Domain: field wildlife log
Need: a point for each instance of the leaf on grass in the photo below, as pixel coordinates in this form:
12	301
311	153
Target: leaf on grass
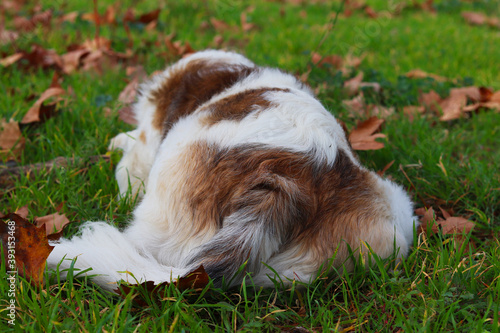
31	247
37	113
352	85
196	279
449	225
453	105
71	60
23	211
11	140
363	137
356	106
54	223
475	18
245	26
149	17
430	101
420	74
7	36
219	25
9	60
334	60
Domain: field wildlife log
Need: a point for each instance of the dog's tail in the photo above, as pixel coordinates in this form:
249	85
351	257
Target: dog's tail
265	217
111	257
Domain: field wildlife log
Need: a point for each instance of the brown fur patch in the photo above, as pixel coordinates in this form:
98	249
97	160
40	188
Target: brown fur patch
318	207
238	106
142	137
190	87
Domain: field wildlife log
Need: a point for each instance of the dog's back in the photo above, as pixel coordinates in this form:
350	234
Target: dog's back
242	165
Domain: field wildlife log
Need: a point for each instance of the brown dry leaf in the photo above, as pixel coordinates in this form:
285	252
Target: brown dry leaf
420	74
381	111
430	101
428	217
53	222
23	211
69	17
370	12
7	61
196	279
453	106
35	113
363	137
71	60
7	36
219	25
11	140
454	225
335	60
245	26
356	106
149	17
474	18
352	85
31	247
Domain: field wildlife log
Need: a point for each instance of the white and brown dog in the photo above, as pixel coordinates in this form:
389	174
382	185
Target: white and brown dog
238	164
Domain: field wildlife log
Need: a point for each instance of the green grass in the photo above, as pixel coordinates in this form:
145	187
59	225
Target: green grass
440	286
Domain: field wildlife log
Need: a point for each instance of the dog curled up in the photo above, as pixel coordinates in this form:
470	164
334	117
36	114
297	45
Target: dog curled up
238	164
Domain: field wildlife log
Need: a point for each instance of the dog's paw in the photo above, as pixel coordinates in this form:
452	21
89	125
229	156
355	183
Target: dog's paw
123	141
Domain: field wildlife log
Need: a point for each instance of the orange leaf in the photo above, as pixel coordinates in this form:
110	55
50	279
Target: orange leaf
11	140
474	18
34	114
363	137
26	247
7	61
53	222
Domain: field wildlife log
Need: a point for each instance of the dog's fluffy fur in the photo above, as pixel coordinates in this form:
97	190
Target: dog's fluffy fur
238	164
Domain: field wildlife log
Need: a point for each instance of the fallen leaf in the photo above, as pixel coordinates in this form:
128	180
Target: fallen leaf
453	106
352	85
149	17
335	60
381	111
7	61
196	279
29	244
420	74
11	140
7	36
430	101
219	25
71	60
474	18
23	211
245	26
35	113
356	106
53	222
363	137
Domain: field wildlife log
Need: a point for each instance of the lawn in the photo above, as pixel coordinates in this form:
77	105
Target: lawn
446	283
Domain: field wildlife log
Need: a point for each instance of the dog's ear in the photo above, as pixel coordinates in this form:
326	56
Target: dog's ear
123	141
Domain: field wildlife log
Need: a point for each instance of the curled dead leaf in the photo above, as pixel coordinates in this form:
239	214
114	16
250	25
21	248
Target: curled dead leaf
11	140
35	113
53	222
363	136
